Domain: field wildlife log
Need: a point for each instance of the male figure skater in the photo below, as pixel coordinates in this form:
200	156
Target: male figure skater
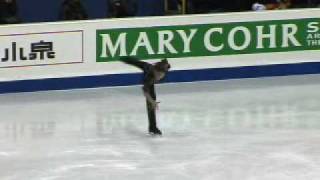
152	73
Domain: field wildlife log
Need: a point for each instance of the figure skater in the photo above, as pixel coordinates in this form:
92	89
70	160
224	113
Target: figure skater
152	74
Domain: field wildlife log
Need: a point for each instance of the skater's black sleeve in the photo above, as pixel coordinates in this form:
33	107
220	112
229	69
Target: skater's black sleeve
148	88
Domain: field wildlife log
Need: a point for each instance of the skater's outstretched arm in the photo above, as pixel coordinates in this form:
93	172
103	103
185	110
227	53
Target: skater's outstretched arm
150	94
134	62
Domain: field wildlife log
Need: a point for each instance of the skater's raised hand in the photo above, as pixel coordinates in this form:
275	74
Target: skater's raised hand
155	105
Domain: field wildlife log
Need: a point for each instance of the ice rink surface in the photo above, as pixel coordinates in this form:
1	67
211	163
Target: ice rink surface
254	129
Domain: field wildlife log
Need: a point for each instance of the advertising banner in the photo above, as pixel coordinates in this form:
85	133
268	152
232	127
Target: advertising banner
36	49
209	39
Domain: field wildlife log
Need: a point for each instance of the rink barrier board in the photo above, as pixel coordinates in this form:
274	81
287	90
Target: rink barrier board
78	61
172	77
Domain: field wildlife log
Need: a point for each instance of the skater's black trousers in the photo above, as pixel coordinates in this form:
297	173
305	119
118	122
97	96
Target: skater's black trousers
151	110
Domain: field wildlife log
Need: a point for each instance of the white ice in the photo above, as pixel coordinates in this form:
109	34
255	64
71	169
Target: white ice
254	129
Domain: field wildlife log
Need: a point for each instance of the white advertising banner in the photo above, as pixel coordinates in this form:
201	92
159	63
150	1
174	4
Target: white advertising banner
38	49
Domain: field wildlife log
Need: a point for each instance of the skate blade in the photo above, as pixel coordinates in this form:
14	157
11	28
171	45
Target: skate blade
154	134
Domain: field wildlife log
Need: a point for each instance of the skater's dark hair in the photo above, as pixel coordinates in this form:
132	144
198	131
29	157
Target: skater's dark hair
163	65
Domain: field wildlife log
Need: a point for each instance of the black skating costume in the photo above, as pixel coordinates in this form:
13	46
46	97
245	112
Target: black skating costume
153	73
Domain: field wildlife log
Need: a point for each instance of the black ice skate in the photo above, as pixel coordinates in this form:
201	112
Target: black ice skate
155	131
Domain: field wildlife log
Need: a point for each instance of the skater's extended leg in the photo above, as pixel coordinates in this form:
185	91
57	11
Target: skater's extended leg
135	62
152	119
152	113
